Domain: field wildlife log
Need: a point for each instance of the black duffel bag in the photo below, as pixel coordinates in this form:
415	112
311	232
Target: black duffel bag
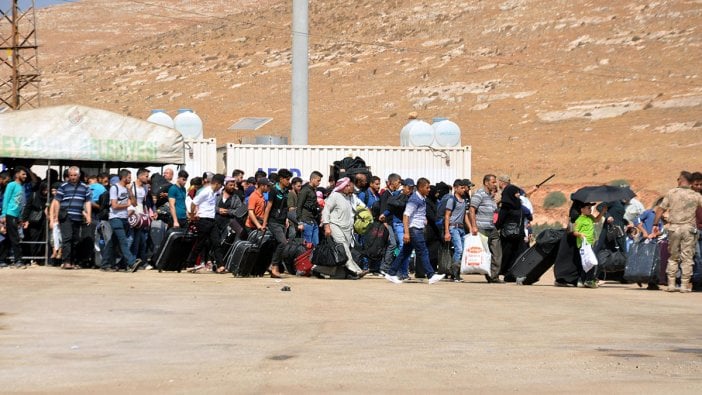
611	261
329	253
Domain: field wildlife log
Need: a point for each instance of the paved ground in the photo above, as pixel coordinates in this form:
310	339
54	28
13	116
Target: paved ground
85	332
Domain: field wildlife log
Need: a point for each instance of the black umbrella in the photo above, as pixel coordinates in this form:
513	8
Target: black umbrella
602	193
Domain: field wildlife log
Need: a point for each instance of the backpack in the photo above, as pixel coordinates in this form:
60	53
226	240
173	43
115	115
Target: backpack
362	220
103	213
375	241
441	209
342	167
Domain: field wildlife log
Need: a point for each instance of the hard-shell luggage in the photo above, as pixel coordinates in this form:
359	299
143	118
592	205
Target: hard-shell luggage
174	251
643	262
663	255
663	267
303	264
292	250
241	258
266	248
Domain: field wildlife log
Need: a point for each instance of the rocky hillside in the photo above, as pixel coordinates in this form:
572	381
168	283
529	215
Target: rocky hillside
590	90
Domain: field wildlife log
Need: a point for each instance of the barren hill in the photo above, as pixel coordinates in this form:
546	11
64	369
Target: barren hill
591	90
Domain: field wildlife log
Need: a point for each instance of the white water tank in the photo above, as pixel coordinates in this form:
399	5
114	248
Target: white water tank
446	133
419	133
160	117
188	124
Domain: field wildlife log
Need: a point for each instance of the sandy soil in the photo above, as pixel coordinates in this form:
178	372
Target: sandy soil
87	331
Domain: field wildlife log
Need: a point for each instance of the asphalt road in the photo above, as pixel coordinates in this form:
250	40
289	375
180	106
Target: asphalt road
85	331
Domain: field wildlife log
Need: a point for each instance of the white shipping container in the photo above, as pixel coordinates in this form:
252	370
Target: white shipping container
200	156
445	164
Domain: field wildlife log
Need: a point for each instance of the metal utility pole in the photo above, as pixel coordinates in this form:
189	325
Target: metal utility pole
300	73
19	68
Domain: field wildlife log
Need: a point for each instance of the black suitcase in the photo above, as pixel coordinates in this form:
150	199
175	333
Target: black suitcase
536	260
174	251
643	262
530	266
241	258
266	246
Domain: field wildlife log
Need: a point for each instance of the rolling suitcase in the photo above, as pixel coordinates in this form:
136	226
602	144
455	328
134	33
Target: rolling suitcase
241	258
174	251
266	246
530	266
536	260
663	259
643	262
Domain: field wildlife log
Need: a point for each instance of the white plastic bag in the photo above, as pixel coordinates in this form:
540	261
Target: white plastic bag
476	255
587	256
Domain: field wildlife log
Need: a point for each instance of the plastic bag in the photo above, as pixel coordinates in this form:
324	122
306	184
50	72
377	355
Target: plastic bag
587	256
476	255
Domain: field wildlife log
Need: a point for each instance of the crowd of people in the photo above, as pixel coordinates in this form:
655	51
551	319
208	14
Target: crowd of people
120	221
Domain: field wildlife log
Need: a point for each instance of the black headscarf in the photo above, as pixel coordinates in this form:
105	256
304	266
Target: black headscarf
510	197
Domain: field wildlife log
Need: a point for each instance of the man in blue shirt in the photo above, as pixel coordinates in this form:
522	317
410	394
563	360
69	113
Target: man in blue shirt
414	220
12	205
176	200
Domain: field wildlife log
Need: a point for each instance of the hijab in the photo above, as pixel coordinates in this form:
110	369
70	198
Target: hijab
510	197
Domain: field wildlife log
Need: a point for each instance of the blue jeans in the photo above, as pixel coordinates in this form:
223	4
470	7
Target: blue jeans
457	235
121	233
138	247
419	245
310	232
399	230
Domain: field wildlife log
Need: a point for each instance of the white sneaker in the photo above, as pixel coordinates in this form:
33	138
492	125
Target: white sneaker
393	279
436	278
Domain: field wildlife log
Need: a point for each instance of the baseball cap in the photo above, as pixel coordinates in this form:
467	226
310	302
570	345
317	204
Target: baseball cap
408	182
264	181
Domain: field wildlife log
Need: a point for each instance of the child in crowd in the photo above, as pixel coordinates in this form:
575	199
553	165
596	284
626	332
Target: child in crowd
585	229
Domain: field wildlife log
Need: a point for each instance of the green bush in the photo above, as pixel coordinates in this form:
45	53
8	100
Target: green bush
555	199
620	182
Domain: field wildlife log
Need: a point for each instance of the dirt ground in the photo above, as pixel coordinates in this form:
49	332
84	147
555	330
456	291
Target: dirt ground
86	331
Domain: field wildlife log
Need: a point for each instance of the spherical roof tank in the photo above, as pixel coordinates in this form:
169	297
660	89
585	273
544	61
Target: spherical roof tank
188	124
420	134
446	133
160	117
404	133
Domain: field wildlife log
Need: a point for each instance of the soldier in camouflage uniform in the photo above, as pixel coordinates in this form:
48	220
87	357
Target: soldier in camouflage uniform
681	203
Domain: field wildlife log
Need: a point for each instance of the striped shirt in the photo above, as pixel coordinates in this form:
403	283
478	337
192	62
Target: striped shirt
72	197
485	208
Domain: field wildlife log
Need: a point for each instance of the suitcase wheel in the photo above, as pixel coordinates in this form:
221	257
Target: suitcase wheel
160	271
520	280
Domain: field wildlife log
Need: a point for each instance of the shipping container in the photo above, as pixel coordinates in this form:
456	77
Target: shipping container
200	156
445	164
